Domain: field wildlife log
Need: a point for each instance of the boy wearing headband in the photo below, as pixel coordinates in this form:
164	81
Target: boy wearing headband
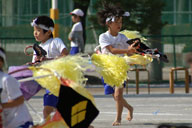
43	28
15	113
114	42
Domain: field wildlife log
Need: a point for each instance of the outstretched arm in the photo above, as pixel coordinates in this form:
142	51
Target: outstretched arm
130	50
13	103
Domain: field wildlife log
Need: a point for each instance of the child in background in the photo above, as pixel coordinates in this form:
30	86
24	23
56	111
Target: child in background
43	28
114	42
76	34
15	112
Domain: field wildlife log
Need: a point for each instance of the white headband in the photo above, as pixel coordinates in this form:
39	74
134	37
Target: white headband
112	18
41	26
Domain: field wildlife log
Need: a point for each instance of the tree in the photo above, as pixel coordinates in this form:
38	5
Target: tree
145	17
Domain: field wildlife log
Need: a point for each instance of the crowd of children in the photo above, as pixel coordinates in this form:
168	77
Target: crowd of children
15	113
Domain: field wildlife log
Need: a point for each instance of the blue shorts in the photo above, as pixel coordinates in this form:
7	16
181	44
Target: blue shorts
50	100
109	89
27	124
74	50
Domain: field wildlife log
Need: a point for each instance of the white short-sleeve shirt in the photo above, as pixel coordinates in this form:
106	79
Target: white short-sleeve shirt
106	39
15	116
53	47
77	27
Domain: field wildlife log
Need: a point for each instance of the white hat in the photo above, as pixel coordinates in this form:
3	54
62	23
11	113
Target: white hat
77	12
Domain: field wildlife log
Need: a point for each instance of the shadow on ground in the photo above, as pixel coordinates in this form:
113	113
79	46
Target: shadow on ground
186	125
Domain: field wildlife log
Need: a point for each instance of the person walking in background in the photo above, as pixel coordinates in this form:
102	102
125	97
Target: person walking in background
43	28
76	34
15	113
113	42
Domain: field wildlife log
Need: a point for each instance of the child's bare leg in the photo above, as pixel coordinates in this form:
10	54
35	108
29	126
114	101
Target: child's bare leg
130	110
119	105
47	110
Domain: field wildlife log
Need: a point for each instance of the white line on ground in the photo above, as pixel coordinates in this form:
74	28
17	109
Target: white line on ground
146	114
142	114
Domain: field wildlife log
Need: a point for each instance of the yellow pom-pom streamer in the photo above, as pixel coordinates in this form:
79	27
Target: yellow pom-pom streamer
138	59
82	91
133	34
113	68
69	67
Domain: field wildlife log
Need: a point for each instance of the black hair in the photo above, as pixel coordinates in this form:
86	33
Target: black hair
2	50
45	20
109	10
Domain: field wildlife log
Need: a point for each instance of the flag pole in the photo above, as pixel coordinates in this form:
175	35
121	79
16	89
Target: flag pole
54	14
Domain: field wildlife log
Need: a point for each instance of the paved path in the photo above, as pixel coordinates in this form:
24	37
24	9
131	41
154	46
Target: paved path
149	110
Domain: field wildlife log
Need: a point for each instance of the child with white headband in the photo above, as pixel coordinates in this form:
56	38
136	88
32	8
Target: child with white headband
43	28
15	113
115	43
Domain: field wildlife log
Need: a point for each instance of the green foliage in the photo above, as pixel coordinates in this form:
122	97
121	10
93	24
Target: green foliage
145	14
82	3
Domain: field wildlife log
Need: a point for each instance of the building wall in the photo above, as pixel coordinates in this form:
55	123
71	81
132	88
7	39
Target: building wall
177	11
22	11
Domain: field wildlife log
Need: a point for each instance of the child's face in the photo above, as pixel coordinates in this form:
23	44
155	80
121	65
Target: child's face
39	35
116	25
75	18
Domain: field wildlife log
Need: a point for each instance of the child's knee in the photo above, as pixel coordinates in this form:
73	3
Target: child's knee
118	97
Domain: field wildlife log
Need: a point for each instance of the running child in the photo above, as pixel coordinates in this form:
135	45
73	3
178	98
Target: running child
114	42
43	28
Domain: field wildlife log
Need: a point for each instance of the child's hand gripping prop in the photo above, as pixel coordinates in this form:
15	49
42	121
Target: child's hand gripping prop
141	47
39	52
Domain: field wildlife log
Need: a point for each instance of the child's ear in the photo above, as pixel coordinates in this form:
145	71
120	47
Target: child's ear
49	32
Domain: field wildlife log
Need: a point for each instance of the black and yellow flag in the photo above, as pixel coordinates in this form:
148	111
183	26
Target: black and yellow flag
76	106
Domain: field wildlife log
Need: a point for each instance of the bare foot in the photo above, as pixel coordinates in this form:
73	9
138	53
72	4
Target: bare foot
130	114
116	123
90	126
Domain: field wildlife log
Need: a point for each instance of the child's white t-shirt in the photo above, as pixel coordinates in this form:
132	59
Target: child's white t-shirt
77	30
53	47
118	41
15	116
